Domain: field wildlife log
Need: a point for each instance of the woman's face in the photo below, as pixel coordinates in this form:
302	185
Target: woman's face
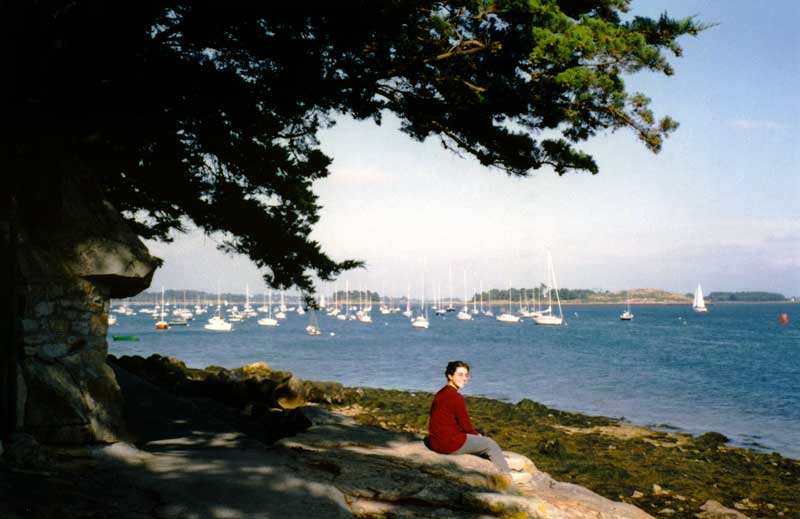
460	378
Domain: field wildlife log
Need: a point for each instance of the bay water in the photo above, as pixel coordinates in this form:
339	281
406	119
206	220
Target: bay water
734	370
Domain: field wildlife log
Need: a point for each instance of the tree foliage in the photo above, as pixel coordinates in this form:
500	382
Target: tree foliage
743	297
181	112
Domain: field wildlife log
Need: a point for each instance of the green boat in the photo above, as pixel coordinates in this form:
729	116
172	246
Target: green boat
125	337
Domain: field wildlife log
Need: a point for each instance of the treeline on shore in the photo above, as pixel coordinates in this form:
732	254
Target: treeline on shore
745	297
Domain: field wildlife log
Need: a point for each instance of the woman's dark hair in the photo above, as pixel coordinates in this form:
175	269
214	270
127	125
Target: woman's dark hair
453	365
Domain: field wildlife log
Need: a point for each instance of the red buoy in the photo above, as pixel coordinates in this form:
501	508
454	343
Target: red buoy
784	319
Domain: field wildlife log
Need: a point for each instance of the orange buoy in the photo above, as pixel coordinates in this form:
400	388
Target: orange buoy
784	319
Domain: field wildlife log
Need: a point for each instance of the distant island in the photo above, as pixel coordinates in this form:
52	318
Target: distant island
746	297
640	296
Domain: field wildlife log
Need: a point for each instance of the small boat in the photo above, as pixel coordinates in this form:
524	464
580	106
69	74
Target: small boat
699	304
219	326
508	317
313	325
178	322
161	324
547	317
218	323
627	315
268	320
464	314
125	337
421	321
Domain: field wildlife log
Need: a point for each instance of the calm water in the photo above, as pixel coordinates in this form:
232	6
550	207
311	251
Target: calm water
734	370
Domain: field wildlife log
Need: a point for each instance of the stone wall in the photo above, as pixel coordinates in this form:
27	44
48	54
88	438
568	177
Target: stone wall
73	255
66	391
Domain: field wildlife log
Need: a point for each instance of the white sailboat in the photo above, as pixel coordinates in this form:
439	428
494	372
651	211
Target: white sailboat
218	323
450	307
346	316
627	315
408	313
547	317
421	321
313	325
334	311
281	314
508	317
248	310
268	320
464	314
699	304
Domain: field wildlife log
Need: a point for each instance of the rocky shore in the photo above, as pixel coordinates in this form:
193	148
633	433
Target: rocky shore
258	442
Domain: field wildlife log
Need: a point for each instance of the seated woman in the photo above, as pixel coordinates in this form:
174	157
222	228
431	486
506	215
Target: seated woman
450	428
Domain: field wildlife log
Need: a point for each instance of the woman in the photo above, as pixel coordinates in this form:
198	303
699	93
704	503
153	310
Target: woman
450	429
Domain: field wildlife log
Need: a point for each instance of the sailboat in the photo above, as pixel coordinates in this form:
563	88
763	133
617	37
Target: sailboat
547	317
281	309
421	321
699	304
508	317
248	310
268	320
439	308
313	325
363	315
627	315
450	307
464	314
408	313
218	323
161	324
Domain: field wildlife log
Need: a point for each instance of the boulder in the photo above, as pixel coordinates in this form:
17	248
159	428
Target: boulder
714	510
74	252
394	474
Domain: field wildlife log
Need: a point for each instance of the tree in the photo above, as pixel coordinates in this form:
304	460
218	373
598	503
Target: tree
183	112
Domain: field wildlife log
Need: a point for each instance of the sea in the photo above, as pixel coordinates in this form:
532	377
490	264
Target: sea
734	370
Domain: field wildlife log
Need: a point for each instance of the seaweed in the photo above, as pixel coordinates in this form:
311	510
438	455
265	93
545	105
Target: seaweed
667	474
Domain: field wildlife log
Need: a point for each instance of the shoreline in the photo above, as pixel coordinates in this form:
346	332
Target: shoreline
667	474
585	417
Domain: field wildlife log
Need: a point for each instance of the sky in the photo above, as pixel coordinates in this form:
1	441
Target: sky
718	206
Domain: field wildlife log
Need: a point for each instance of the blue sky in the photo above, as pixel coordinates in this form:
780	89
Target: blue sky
720	205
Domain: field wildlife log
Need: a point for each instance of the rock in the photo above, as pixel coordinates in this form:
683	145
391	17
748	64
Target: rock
24	452
714	510
745	504
319	416
659	491
520	478
519	462
74	251
710	440
324	392
637	495
393	474
291	393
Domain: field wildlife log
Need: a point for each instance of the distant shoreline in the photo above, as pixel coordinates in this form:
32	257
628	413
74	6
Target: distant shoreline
458	304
